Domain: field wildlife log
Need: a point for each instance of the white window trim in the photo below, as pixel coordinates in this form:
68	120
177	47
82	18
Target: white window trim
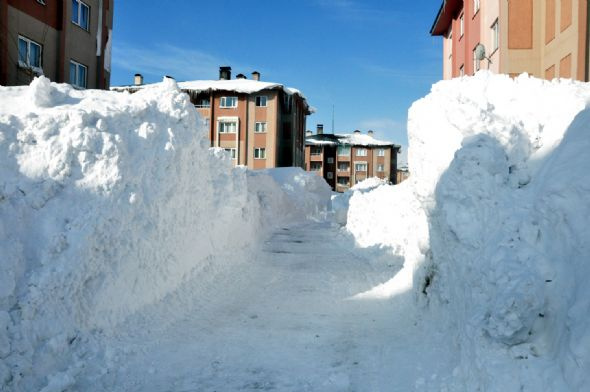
462	25
364	150
256	127
380	167
37	70
361	163
330	175
260	149
80	3
77	64
495	36
330	160
315	163
381	152
265	101
315	154
476	7
232	152
224	99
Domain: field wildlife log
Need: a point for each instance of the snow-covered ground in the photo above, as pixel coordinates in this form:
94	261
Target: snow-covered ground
132	258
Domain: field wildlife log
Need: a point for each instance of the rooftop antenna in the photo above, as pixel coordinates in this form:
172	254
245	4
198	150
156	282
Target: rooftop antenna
332	119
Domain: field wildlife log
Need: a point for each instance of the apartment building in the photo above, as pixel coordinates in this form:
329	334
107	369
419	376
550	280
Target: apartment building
546	39
346	159
260	124
68	41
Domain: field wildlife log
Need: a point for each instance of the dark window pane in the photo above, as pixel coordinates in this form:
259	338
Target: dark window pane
84	16
72	73
35	55
75	11
22	50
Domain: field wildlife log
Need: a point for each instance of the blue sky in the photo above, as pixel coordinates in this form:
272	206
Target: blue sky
370	59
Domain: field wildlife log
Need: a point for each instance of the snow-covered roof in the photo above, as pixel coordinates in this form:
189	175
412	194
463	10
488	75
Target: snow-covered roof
246	86
359	139
356	139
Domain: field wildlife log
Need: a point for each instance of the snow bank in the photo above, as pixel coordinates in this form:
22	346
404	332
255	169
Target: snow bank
493	227
108	201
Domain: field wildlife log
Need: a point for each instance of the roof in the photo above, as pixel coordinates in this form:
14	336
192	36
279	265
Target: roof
447	11
245	86
353	139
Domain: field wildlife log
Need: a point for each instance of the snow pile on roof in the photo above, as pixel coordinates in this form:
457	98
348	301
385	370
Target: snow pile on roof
360	139
493	225
245	86
108	203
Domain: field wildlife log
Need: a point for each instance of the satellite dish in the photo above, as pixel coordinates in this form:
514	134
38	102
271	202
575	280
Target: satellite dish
480	52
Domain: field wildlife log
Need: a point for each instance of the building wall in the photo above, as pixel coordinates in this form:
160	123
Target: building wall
490	13
50	26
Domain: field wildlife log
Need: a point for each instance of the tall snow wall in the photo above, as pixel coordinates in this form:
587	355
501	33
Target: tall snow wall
109	202
493	225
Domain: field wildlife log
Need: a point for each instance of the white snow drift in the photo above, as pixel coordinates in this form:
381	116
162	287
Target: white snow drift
108	202
493	225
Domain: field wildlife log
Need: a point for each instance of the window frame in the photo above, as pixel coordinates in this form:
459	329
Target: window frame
27	63
363	163
223	102
259	98
221	125
476	7
495	36
260	151
78	66
346	164
461	25
77	23
462	70
330	175
344	147
315	166
232	152
316	148
345	182
330	160
263	125
476	62
381	152
363	150
380	167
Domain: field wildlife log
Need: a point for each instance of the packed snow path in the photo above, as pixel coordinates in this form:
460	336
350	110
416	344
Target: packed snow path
284	320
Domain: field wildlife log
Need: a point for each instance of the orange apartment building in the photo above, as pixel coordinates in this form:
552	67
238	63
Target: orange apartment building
260	124
546	39
346	159
68	41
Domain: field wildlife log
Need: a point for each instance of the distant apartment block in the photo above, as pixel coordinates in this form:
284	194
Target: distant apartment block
260	124
344	160
68	41
546	39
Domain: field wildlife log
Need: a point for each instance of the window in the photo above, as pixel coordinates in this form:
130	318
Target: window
80	14
343	181
461	26
260	127
475	7
232	152
330	160
229	102
316	166
495	36
450	43
344	150
381	152
461	70
380	167
360	166
260	153
78	74
261	101
203	103
476	62
343	166
316	150
361	152
29	53
228	127
330	175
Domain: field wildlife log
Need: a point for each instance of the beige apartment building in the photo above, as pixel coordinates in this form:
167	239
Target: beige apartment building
260	124
68	41
344	160
546	39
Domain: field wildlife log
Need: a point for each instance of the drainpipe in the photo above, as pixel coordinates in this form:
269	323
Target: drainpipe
61	62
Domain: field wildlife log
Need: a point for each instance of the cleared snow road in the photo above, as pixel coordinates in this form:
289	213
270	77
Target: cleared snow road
283	319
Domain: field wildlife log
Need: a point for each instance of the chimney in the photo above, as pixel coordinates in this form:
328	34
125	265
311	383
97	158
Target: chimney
224	73
370	132
357	132
138	79
256	75
169	77
308	133
320	129
241	76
